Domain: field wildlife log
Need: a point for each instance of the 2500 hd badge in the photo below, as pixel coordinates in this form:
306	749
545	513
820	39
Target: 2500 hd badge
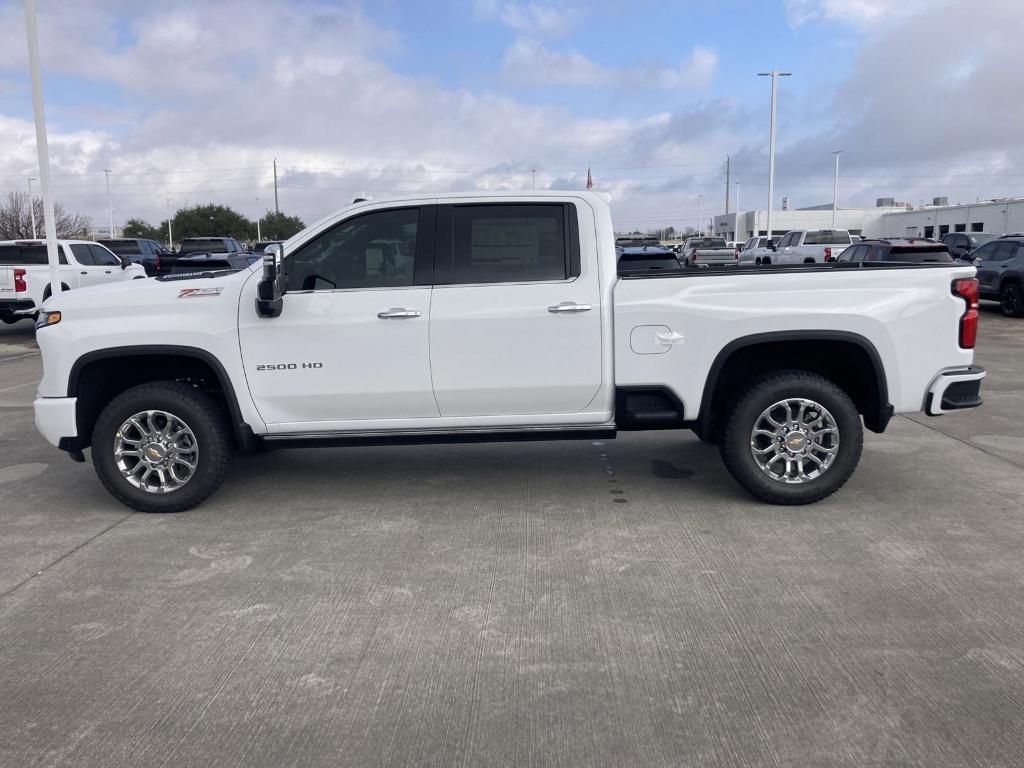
287	366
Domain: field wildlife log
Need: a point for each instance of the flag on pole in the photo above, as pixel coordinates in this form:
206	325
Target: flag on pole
590	179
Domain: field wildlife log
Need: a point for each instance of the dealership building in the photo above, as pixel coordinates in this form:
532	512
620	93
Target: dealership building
887	218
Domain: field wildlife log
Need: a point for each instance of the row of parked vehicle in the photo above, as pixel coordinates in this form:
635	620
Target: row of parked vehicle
998	258
25	272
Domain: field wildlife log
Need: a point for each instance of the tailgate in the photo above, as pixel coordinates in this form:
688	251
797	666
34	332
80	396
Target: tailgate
6	281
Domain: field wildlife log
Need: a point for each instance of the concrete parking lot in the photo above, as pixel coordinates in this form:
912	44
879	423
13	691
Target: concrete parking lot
523	604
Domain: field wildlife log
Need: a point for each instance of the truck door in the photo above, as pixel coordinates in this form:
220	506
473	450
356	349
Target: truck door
515	321
352	343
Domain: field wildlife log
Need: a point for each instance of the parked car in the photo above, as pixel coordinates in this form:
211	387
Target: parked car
1000	265
261	245
707	252
146	253
962	244
197	263
809	246
25	273
510	322
191	245
896	250
754	249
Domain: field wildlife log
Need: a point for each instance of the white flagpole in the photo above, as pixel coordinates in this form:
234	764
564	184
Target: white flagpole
41	145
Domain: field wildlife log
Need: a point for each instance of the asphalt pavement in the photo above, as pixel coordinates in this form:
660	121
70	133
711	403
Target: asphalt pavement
577	603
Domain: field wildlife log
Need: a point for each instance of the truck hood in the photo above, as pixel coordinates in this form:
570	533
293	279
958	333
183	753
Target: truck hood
116	299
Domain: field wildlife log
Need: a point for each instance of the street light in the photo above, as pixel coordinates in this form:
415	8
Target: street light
700	221
110	208
170	234
32	206
737	196
42	146
774	75
835	187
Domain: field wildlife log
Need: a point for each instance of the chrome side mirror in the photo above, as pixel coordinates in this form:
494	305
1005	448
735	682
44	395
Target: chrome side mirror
269	293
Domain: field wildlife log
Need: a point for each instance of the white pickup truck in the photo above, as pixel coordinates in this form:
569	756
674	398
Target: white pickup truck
25	273
809	246
496	316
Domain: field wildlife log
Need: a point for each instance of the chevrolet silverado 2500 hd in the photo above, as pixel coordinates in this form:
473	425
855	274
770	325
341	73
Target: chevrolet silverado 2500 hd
496	316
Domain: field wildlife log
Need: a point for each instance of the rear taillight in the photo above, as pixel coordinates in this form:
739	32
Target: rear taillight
158	262
967	289
693	256
828	254
19	281
736	254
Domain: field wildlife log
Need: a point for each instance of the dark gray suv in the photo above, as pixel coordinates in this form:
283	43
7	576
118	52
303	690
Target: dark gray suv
961	244
1000	266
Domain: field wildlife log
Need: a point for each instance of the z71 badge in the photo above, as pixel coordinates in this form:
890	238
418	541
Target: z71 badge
192	293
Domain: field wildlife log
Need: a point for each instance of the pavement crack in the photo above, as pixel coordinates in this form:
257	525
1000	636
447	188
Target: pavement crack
968	443
63	557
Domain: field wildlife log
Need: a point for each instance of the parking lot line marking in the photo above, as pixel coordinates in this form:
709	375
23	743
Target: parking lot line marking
17	386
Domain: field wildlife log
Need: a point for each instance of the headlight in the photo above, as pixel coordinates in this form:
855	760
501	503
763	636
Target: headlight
47	318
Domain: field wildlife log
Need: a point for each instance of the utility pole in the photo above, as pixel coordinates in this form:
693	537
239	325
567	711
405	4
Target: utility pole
774	75
835	187
700	218
32	206
42	146
728	170
277	208
170	234
110	208
259	234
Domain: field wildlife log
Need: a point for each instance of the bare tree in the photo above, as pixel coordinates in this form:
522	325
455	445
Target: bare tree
16	219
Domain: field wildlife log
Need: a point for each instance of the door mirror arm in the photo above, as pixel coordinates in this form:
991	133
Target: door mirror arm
269	294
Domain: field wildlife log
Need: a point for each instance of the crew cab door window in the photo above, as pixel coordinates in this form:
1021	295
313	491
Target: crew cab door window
352	344
375	250
515	320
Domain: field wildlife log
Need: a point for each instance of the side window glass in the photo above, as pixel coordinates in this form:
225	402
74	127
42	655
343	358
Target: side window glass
852	253
1005	252
986	251
102	257
83	255
375	250
509	243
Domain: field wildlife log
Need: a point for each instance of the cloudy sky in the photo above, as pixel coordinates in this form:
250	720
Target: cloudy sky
193	99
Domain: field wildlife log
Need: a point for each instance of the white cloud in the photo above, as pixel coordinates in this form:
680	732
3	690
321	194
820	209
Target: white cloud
531	63
532	18
859	13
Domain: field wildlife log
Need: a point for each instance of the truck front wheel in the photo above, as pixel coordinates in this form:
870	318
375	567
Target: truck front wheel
793	437
161	447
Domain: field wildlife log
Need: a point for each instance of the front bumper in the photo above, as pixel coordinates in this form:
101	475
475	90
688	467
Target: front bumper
955	390
17	307
56	419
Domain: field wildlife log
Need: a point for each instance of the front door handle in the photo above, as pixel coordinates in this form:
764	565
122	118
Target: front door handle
398	313
569	306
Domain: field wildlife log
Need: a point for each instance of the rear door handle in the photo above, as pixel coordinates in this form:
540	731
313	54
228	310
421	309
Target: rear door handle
569	306
398	313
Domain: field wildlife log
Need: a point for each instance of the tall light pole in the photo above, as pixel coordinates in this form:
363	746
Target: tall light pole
259	235
32	206
42	146
774	75
737	197
835	187
700	218
170	234
533	183
110	208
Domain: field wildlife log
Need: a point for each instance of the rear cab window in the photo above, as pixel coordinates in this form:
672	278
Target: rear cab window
32	254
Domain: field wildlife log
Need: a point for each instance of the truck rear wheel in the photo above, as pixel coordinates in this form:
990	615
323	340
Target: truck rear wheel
793	437
161	447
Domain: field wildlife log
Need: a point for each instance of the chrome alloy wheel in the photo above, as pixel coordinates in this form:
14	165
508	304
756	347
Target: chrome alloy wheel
156	451
794	440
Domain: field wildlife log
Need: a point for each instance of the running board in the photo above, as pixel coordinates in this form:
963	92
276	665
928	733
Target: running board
436	436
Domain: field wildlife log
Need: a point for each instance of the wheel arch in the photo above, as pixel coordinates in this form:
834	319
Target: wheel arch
748	356
116	369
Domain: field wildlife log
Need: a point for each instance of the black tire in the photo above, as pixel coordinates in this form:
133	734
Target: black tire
9	319
47	293
766	261
198	410
1011	300
735	441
